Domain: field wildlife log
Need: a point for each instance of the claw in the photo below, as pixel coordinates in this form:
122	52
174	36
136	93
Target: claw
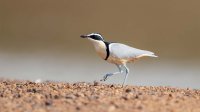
104	78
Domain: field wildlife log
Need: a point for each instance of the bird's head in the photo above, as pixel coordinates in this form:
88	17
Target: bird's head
93	37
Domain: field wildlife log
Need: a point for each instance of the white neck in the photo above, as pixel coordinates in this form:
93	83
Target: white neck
100	47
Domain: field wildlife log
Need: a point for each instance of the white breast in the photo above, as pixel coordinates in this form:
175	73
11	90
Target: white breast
100	48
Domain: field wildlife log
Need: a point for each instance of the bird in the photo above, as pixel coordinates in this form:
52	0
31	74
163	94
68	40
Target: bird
116	53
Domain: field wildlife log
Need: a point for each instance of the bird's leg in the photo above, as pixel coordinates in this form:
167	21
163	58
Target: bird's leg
127	72
110	74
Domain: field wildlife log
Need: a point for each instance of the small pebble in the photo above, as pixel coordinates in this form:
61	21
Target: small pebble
48	103
128	90
71	96
96	83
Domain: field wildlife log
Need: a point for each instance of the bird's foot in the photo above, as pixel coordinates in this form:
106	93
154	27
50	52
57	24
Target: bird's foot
105	77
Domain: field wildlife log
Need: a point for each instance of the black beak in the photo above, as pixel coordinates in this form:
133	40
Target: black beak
84	36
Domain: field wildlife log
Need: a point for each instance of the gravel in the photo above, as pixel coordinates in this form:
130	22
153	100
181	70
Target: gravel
26	96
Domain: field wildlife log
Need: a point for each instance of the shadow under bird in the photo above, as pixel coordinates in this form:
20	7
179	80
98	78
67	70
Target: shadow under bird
116	53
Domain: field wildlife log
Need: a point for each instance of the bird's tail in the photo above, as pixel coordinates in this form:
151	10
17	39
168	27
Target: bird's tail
152	55
147	53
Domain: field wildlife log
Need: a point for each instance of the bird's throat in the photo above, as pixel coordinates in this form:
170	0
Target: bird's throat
100	48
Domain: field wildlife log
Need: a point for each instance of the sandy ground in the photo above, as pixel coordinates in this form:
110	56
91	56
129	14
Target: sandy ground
26	96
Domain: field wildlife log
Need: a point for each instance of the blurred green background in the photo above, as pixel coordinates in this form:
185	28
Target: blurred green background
40	40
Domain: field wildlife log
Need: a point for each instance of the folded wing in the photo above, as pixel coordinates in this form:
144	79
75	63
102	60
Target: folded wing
124	51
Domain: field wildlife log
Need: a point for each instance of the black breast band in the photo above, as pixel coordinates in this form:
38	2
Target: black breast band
107	50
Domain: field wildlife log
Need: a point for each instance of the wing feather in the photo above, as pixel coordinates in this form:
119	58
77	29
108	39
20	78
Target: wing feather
124	51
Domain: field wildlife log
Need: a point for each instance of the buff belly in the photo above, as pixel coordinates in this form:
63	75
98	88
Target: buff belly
120	61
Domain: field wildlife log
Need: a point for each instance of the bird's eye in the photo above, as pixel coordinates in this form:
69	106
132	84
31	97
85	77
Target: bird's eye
96	37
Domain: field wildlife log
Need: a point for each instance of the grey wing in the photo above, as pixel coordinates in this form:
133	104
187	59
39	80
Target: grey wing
124	51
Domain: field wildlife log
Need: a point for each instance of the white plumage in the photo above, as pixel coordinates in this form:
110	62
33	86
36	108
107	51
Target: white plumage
124	51
116	53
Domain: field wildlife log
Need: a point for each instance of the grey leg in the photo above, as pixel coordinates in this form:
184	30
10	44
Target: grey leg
110	74
127	72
